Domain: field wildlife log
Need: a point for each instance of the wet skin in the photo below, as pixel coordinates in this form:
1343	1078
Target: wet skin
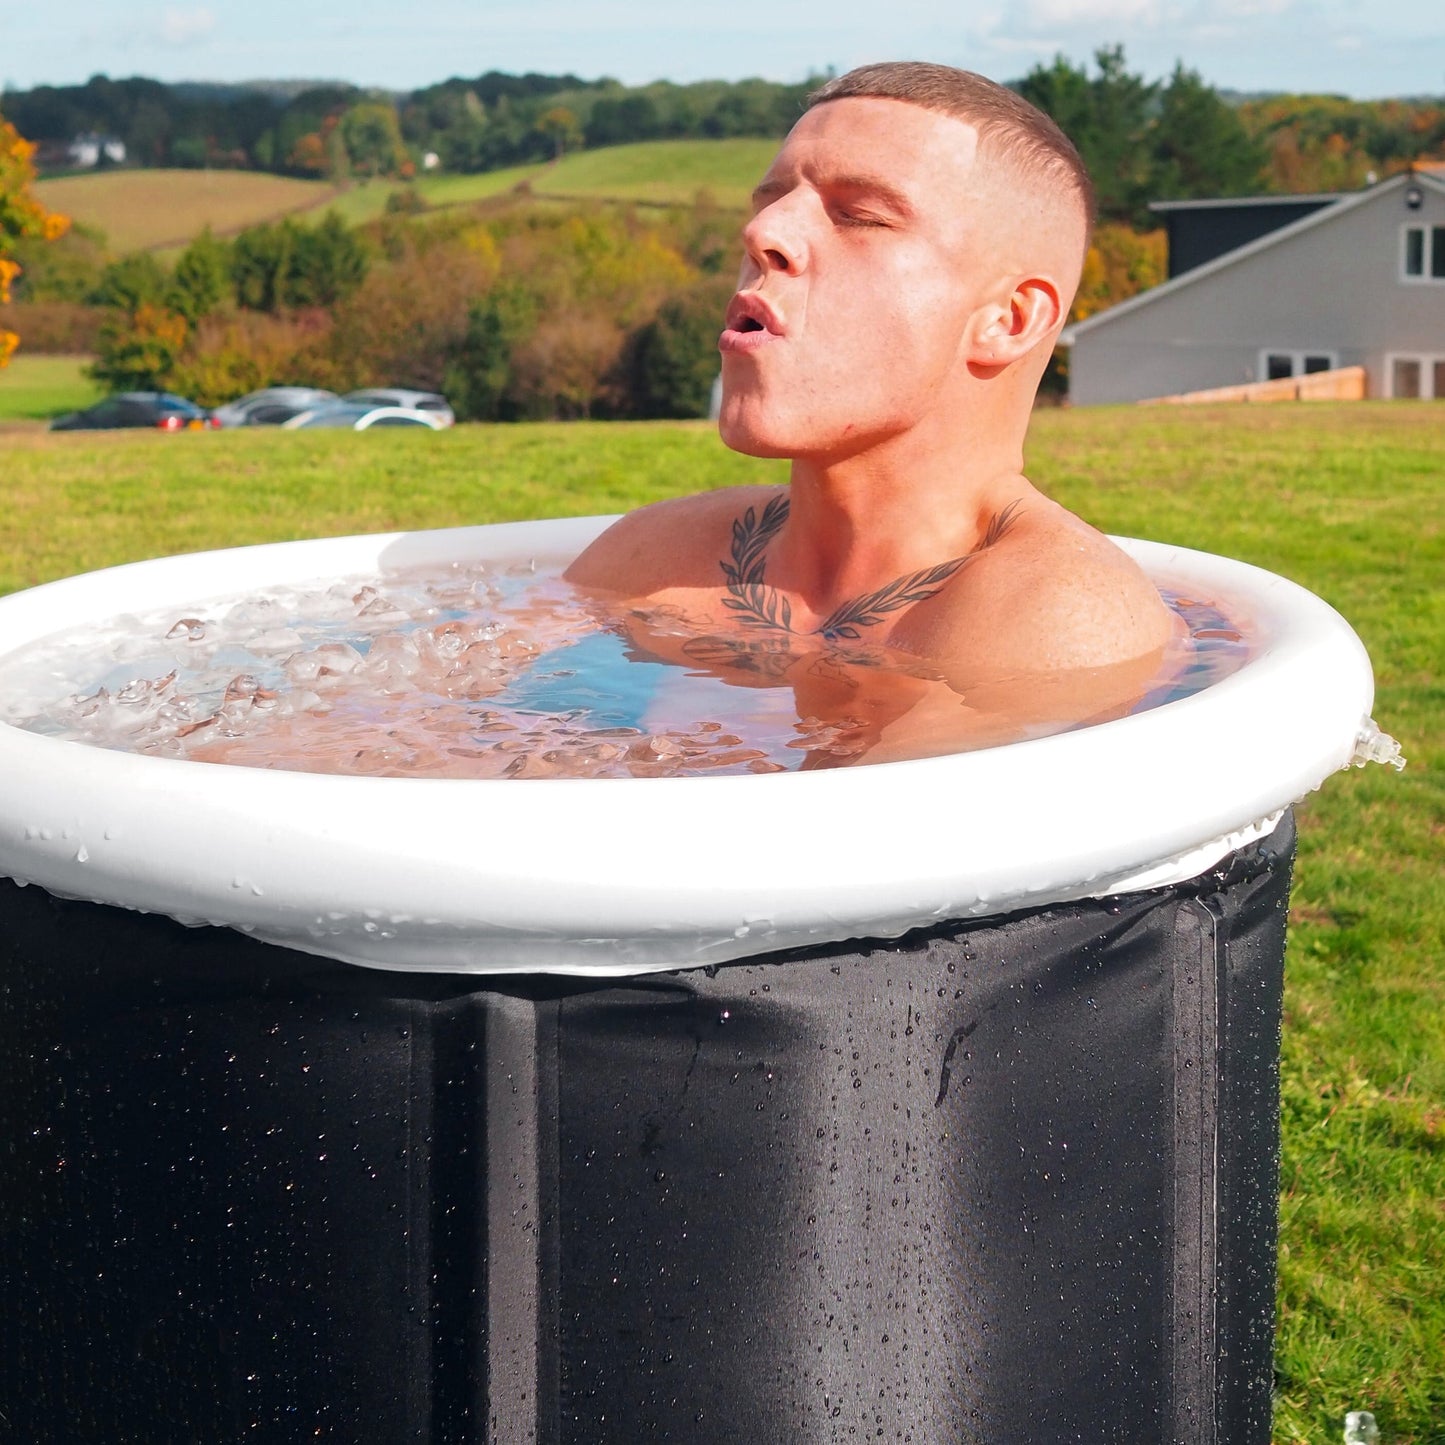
899	297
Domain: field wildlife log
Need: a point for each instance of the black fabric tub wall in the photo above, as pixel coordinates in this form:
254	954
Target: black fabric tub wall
1002	1180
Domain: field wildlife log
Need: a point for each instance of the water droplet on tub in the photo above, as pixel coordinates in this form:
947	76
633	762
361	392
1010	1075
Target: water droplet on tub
82	854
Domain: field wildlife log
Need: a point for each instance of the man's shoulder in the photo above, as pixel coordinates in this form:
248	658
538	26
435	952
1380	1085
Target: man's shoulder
677	542
1052	593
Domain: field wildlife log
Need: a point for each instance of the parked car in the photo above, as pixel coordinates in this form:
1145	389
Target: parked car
163	410
271	405
360	416
428	401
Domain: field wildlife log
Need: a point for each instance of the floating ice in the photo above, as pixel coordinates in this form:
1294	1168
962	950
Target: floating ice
455	672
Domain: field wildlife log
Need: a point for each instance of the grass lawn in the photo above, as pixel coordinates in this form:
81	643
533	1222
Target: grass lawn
1346	499
671	171
34	388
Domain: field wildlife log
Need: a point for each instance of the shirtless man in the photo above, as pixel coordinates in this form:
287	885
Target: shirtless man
910	261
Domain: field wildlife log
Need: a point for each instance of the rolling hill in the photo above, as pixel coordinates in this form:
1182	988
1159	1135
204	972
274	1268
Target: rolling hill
157	210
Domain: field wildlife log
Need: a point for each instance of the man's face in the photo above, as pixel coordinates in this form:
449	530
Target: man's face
866	254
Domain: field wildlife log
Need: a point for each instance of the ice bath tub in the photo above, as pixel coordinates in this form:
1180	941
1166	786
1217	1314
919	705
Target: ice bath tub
966	1129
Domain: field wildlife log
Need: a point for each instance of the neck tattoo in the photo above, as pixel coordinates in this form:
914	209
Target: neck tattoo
759	605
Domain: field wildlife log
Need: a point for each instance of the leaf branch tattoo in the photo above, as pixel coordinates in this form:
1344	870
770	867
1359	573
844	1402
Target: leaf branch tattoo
760	605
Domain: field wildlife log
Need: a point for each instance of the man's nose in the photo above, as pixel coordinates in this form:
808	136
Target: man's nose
775	238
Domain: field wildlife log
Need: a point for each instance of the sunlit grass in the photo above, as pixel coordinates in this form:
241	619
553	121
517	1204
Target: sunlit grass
33	388
1345	499
144	209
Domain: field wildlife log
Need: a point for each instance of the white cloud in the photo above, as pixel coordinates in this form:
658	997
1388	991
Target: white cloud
186	25
1094	12
1250	9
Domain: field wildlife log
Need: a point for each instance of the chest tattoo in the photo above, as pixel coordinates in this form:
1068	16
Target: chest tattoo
759	605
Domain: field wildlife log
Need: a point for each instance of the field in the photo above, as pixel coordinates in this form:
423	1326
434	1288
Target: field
1345	499
145	210
34	388
160	210
672	171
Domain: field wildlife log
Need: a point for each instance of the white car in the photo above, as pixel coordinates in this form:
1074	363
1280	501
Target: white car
359	416
271	405
427	401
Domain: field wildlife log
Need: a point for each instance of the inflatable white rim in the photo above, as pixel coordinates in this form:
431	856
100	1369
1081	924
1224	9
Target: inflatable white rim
485	876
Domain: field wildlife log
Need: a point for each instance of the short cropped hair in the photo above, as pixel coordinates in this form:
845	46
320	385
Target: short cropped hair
1007	125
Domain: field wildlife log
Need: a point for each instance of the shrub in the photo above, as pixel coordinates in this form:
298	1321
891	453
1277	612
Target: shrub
66	269
402	327
227	356
562	368
138	350
133	281
280	267
57	328
673	359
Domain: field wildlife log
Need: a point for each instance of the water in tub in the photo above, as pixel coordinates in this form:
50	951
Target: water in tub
461	671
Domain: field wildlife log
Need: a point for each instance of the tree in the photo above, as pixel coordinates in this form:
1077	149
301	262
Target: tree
480	370
21	216
202	278
559	126
133	281
138	351
372	138
674	359
329	263
1199	146
1108	119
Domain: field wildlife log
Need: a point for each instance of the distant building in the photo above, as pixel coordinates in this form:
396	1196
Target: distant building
1323	282
88	150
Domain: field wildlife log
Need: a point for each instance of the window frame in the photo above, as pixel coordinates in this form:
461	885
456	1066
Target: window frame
1297	357
1427	360
1430	234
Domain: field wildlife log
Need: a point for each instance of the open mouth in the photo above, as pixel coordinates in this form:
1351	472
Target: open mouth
750	323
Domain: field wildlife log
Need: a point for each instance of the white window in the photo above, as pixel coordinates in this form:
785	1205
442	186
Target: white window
1422	253
1281	365
1417	378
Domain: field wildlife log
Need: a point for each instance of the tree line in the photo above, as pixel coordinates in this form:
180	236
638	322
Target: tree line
1142	139
483	123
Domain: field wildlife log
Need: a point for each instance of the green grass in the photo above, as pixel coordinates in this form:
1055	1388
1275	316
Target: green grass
33	388
1345	499
451	190
668	171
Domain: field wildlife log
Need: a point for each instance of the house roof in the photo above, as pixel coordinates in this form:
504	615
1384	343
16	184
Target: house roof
1219	203
1283	236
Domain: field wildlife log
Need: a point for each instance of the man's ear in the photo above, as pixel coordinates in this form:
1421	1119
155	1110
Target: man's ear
1006	329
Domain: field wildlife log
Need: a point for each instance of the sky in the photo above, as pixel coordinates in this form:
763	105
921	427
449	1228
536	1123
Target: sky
1341	46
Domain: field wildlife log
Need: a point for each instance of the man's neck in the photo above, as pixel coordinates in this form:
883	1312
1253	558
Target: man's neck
860	521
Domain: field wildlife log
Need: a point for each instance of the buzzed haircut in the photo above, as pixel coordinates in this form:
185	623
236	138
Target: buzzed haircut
1007	125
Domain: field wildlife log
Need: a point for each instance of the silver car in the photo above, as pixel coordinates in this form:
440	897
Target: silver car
428	401
360	416
271	405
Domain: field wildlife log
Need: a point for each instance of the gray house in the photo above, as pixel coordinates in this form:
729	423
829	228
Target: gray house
1357	282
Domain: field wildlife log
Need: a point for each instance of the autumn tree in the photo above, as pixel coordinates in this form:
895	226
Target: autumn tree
138	350
21	216
561	129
